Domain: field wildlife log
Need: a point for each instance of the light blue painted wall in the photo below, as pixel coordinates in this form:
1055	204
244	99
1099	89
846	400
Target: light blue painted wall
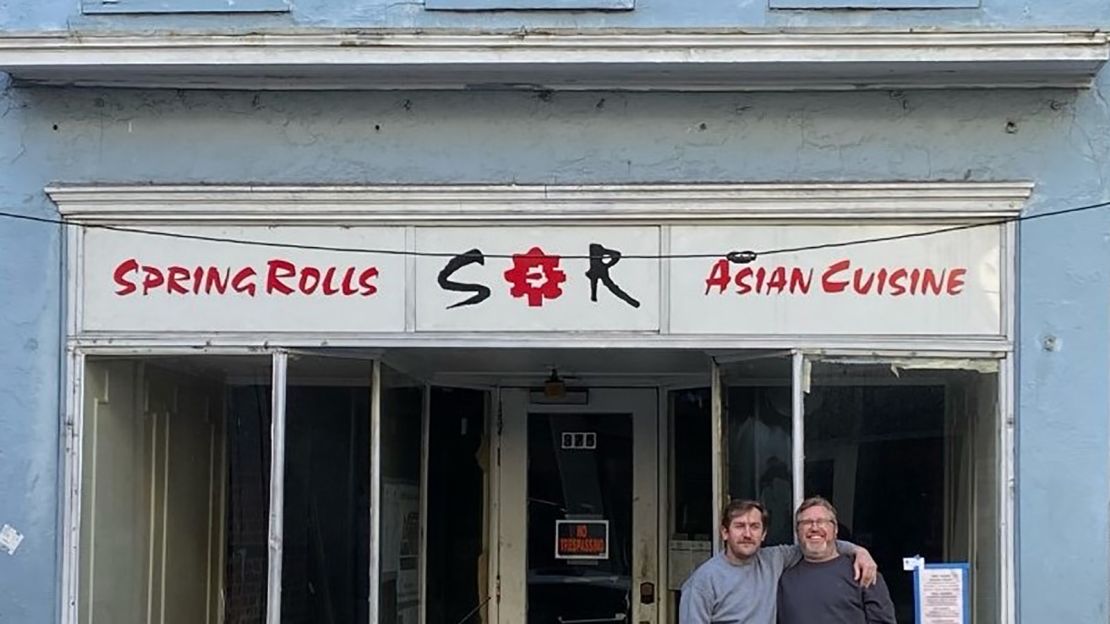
30	271
1061	142
62	15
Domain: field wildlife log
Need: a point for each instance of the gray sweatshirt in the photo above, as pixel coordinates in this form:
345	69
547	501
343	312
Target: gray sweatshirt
722	592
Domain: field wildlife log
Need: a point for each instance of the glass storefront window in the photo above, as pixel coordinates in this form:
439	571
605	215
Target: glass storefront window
402	443
325	568
175	479
457	547
691	487
582	481
176	453
692	472
908	452
757	410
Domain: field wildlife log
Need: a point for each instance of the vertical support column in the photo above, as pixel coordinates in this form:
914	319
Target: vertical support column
493	505
280	362
425	442
73	419
512	538
375	488
1007	416
716	420
1006	488
646	499
665	506
797	407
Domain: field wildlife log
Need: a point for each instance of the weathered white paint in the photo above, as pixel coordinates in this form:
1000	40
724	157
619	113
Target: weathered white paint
676	59
276	516
547	203
799	387
717	444
512	565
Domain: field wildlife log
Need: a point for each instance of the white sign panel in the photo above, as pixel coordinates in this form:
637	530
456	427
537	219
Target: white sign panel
942	592
938	284
137	282
492	278
538	279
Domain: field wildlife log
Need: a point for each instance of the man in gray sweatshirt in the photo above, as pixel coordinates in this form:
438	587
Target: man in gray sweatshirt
738	585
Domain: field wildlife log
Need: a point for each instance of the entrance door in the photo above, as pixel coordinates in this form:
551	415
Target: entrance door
577	519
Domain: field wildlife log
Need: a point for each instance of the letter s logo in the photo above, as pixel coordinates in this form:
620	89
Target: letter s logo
120	276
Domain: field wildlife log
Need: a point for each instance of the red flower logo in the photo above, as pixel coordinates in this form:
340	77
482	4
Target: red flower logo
535	275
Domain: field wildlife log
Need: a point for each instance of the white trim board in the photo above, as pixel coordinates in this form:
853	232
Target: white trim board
654	203
115	343
620	59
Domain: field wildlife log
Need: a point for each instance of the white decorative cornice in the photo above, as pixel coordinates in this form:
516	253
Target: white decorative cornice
732	60
655	203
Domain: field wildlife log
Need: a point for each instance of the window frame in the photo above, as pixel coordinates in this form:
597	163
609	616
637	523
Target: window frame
529	5
873	4
802	363
173	7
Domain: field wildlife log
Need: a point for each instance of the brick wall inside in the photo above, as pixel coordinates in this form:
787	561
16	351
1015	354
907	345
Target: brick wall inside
248	505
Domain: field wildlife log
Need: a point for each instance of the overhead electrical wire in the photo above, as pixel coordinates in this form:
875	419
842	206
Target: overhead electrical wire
736	256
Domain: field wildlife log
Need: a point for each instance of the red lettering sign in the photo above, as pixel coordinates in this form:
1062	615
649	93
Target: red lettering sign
281	278
839	277
581	539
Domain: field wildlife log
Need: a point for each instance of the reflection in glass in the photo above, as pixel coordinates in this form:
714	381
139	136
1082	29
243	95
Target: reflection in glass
458	469
692	488
909	458
759	453
325	551
691	517
573	475
249	456
402	404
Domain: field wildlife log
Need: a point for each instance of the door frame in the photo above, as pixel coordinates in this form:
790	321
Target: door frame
510	484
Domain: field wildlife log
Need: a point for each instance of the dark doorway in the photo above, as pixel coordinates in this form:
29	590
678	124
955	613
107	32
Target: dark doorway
457	468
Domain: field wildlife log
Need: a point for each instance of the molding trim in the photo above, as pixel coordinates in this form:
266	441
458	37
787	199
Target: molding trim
168	343
733	60
655	203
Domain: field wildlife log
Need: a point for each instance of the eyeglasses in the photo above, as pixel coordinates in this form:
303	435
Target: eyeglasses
803	524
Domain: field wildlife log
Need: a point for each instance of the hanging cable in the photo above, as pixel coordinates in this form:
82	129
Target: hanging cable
735	256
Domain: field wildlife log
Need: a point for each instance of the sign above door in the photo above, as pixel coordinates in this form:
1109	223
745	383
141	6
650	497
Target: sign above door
636	278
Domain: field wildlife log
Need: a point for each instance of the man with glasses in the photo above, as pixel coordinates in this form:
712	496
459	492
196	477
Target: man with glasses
820	588
737	586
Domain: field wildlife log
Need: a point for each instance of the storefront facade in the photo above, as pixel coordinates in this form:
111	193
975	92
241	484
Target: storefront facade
582	347
502	353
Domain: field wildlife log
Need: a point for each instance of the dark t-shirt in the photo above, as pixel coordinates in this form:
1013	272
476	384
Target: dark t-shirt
826	593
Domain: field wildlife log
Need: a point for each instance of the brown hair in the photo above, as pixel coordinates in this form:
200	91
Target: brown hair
816	501
737	507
